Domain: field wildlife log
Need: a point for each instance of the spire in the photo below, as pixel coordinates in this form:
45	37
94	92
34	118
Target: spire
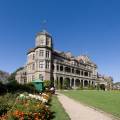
43	29
43	25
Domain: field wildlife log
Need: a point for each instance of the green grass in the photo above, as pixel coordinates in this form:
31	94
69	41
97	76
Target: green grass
104	100
56	107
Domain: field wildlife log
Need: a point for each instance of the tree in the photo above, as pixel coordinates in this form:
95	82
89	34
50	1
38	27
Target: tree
12	76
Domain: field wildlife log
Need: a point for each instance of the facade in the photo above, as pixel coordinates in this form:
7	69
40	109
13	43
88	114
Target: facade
21	76
116	86
59	67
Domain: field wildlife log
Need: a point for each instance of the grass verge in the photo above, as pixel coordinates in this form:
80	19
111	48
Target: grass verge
56	107
104	100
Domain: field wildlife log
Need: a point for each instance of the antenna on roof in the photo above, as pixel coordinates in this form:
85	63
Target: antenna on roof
43	25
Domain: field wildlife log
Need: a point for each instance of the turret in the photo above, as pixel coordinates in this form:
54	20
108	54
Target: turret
43	39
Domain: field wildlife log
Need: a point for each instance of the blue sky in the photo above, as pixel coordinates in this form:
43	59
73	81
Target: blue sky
89	27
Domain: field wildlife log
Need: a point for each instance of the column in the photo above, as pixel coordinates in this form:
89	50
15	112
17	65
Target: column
74	83
83	83
71	82
63	69
80	82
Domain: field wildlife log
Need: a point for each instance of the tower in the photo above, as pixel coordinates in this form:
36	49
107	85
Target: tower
43	55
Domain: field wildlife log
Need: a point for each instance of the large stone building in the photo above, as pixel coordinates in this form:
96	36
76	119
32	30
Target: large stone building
48	64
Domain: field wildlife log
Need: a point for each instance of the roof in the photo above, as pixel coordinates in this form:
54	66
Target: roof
43	32
37	80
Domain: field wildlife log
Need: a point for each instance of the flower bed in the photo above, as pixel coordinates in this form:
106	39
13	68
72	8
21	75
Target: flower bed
29	107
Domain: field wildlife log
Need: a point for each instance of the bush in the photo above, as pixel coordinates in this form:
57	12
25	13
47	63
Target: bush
4	107
47	83
66	84
14	87
6	102
28	108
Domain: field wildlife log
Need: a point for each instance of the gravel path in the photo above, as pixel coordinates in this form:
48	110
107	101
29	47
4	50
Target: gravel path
78	111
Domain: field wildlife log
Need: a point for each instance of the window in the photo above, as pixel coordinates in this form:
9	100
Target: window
86	73
47	42
37	64
41	64
33	67
40	76
77	72
47	64
42	42
36	53
47	54
82	73
52	66
33	77
61	68
41	53
72	70
33	56
57	67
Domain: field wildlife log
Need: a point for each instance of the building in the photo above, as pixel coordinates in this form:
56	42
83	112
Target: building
116	86
59	67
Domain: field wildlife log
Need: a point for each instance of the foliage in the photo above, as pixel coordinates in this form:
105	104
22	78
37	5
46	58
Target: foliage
66	84
6	102
91	88
47	83
13	87
2	88
12	76
28	108
59	85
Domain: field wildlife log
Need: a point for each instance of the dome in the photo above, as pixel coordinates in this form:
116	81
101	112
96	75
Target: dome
43	32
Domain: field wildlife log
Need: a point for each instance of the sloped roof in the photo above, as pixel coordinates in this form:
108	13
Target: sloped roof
37	81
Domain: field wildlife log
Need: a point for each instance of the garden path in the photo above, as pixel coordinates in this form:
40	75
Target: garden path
78	111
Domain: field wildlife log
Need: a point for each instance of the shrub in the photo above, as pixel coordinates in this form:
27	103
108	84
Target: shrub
66	84
6	102
47	83
27	108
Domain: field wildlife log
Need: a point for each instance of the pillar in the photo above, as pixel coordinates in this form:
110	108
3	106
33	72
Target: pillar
83	83
74	83
70	82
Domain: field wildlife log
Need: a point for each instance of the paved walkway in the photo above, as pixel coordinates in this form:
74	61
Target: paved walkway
78	111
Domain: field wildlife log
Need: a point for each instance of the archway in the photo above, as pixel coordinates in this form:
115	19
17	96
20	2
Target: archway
86	83
67	83
102	86
81	83
61	83
77	82
72	84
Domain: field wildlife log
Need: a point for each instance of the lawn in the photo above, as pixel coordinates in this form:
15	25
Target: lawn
104	100
56	107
